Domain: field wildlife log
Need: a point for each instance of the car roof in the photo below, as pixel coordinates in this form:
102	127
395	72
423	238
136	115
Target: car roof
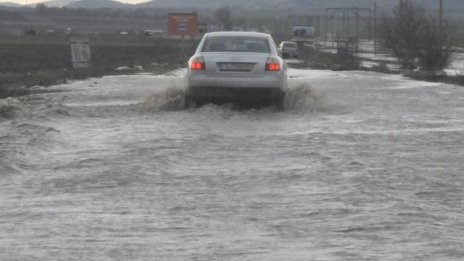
237	33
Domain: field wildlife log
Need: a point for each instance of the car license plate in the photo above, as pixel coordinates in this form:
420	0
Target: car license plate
236	67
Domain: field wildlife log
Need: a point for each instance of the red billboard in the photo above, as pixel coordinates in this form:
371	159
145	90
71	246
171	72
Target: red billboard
183	24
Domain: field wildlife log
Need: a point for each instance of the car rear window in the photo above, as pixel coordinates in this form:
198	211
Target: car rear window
236	44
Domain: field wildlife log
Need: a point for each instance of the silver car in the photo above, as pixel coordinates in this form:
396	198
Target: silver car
288	49
236	67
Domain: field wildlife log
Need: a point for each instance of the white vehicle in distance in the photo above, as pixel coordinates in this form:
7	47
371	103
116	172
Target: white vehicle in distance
288	49
239	67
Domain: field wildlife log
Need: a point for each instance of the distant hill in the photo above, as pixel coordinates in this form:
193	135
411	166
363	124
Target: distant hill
198	4
95	4
57	3
307	5
10	4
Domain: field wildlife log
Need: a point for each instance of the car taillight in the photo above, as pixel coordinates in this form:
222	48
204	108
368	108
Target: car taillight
197	64
272	65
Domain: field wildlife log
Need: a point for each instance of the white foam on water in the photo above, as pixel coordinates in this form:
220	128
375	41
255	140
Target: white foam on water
171	98
7	105
129	174
304	97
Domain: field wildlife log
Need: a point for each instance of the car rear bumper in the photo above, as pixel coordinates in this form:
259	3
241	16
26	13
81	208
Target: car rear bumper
235	93
290	53
199	95
267	81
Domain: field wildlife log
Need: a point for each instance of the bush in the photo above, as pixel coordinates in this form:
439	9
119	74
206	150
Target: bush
416	39
435	46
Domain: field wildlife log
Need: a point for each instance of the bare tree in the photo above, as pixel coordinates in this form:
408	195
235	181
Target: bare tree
416	39
402	32
435	45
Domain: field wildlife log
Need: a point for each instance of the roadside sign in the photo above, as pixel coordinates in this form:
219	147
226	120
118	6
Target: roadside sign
182	24
80	53
303	31
182	27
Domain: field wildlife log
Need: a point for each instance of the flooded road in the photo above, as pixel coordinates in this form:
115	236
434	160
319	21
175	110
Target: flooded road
360	166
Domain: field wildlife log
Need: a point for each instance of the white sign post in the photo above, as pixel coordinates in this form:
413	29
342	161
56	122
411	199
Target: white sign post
80	53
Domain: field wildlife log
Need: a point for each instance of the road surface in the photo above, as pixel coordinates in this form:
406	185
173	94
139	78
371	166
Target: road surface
360	166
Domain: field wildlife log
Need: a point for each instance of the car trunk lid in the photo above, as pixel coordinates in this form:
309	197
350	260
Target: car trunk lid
235	64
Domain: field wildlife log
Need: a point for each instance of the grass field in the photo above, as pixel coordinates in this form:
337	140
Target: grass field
46	60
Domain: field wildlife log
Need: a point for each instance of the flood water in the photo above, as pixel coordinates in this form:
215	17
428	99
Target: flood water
360	166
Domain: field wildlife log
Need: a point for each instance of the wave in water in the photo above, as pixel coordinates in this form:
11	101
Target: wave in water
299	98
304	97
8	105
170	99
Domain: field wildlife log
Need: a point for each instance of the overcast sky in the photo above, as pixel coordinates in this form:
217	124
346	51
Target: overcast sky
38	1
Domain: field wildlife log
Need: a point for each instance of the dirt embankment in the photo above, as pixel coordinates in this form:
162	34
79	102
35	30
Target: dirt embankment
28	61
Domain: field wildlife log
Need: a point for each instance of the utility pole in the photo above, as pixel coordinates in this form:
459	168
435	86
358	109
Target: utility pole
326	25
441	15
375	28
357	28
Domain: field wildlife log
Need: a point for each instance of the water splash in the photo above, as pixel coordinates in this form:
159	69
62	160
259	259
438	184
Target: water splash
304	97
170	99
299	98
8	105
